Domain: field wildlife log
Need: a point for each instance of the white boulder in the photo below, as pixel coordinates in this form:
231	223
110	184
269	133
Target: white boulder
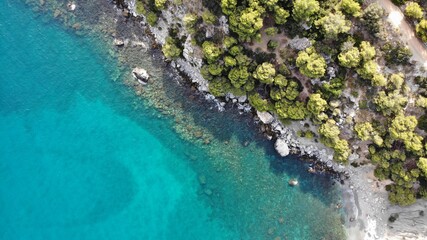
265	117
71	6
118	42
282	147
140	75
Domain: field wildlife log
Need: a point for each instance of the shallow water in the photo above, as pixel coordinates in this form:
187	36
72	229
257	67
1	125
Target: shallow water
83	158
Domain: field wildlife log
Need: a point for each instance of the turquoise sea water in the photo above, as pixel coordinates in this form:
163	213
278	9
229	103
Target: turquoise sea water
77	161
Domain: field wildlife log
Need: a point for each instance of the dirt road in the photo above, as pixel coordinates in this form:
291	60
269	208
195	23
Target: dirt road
396	17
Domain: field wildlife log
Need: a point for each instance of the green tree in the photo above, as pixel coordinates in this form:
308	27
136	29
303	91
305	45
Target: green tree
258	102
290	110
228	6
379	80
402	128
270	4
365	131
421	30
333	88
316	104
211	52
151	18
402	125
208	17
422	164
280	15
349	58
215	69
271	31
351	7
272	45
248	22
330	131
303	10
421	102
238	76
310	63
159	4
367	51
372	16
170	49
333	24
277	93
342	151
219	86
229	42
368	69
397	80
413	10
189	20
396	53
243	60
390	103
265	73
291	92
229	61
413	143
280	80
401	195
235	50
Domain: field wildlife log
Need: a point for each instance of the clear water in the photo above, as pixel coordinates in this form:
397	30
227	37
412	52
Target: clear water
77	161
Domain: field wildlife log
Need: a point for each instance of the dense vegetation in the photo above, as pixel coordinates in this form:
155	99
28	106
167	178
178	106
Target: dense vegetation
335	76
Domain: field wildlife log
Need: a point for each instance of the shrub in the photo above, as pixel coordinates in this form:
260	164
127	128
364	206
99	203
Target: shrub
170	49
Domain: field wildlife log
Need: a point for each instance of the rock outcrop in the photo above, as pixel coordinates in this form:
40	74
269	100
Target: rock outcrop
140	75
265	117
282	147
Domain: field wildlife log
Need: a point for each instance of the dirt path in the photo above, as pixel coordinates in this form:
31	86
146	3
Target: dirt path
396	17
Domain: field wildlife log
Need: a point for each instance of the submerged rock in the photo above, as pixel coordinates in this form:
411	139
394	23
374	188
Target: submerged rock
140	75
282	147
118	42
56	13
293	182
71	6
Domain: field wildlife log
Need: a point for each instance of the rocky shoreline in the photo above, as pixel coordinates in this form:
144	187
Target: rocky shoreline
365	198
367	208
189	68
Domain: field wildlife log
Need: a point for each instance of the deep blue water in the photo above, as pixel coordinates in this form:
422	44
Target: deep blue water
77	161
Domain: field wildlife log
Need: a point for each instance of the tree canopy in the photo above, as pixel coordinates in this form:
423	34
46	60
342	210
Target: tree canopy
421	30
265	73
211	52
351	7
333	24
310	63
316	104
349	58
303	10
248	22
413	10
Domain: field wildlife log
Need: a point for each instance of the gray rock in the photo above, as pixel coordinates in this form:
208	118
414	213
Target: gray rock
208	192
71	6
300	43
282	147
242	99
140	75
265	117
118	42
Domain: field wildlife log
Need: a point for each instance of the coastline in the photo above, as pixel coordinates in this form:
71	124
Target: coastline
367	202
367	208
